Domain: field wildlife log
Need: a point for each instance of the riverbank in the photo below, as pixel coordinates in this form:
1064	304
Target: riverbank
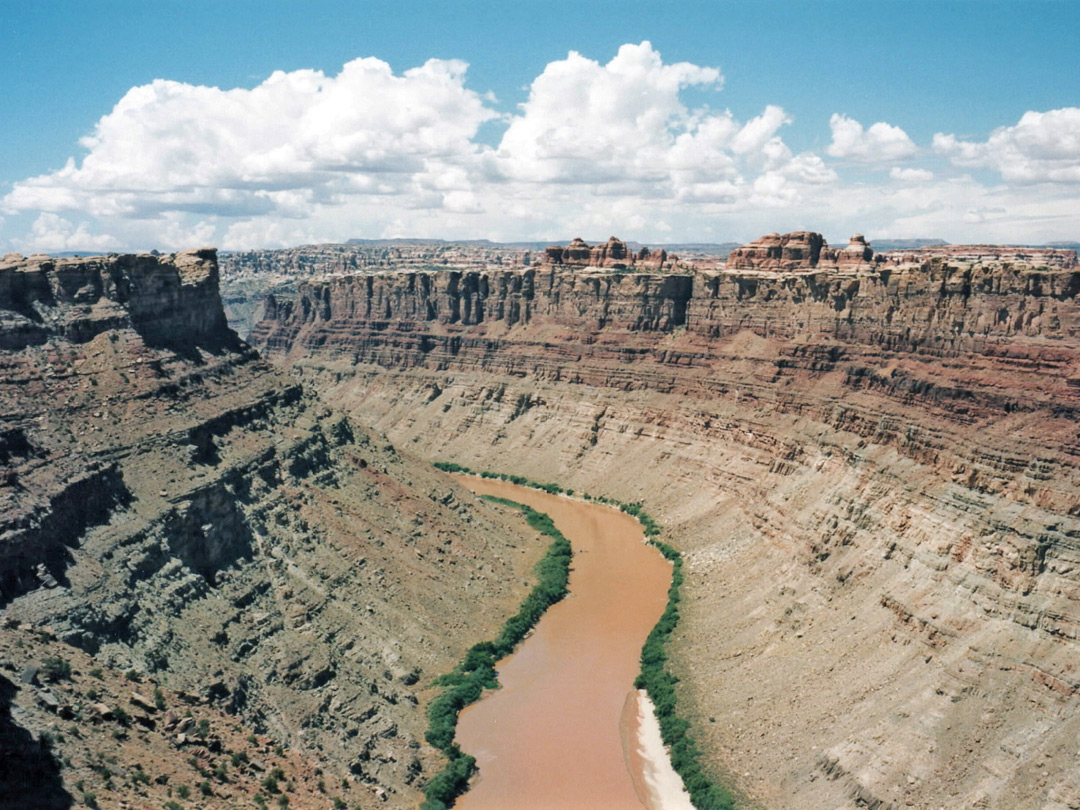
657	784
550	735
680	753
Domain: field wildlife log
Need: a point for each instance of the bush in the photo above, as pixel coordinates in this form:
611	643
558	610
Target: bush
56	669
654	677
476	672
183	791
451	467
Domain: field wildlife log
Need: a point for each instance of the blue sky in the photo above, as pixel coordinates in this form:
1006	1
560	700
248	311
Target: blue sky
769	126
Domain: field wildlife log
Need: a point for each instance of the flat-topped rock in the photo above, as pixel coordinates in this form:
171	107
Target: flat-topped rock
799	250
613	255
1060	258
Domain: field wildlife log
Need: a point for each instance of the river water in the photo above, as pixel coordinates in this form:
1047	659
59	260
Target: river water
567	730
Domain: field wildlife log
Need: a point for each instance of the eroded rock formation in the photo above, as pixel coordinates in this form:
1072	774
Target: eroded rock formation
872	468
613	255
801	250
171	504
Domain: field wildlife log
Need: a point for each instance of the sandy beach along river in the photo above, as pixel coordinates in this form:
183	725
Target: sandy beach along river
565	730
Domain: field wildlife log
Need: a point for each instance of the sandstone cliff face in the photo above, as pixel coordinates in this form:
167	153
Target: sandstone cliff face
495	299
172	504
872	470
801	250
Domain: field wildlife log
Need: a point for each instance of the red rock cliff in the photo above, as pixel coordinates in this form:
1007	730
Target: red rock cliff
873	470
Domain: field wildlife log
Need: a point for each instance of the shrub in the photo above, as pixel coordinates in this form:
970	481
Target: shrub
56	669
183	791
654	677
159	699
477	671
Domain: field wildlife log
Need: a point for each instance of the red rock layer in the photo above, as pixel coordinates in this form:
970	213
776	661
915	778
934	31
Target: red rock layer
170	503
801	250
875	473
612	255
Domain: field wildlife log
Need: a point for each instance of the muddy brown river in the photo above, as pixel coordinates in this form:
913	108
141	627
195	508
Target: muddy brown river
563	731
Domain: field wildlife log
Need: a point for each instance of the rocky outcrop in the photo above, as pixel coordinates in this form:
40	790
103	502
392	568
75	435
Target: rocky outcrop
801	250
171	504
872	470
1058	258
613	255
77	299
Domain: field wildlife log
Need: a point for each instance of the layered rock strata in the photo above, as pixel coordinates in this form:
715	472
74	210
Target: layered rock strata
801	250
171	504
872	471
613	255
1059	258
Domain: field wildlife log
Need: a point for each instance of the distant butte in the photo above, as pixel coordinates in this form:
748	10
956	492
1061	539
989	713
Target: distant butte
613	254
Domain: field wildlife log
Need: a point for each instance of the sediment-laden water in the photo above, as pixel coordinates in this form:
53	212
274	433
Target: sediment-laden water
565	729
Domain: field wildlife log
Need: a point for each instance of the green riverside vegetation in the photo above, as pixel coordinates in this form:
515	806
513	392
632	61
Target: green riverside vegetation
477	671
655	678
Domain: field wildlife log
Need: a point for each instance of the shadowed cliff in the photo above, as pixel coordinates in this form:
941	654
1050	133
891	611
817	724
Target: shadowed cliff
170	504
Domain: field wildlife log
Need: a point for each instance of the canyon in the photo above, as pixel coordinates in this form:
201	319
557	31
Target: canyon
869	462
174	508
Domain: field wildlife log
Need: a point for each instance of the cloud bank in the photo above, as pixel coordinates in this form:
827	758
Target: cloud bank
595	148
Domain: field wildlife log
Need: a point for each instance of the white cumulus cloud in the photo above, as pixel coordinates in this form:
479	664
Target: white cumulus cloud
595	148
296	140
1042	147
878	143
585	122
911	175
51	233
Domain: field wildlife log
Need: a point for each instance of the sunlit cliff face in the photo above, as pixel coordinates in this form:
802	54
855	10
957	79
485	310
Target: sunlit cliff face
868	467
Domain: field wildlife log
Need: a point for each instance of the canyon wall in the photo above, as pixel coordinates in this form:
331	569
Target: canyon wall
171	504
871	468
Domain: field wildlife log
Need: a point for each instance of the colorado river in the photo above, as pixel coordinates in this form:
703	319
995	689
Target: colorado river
567	730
